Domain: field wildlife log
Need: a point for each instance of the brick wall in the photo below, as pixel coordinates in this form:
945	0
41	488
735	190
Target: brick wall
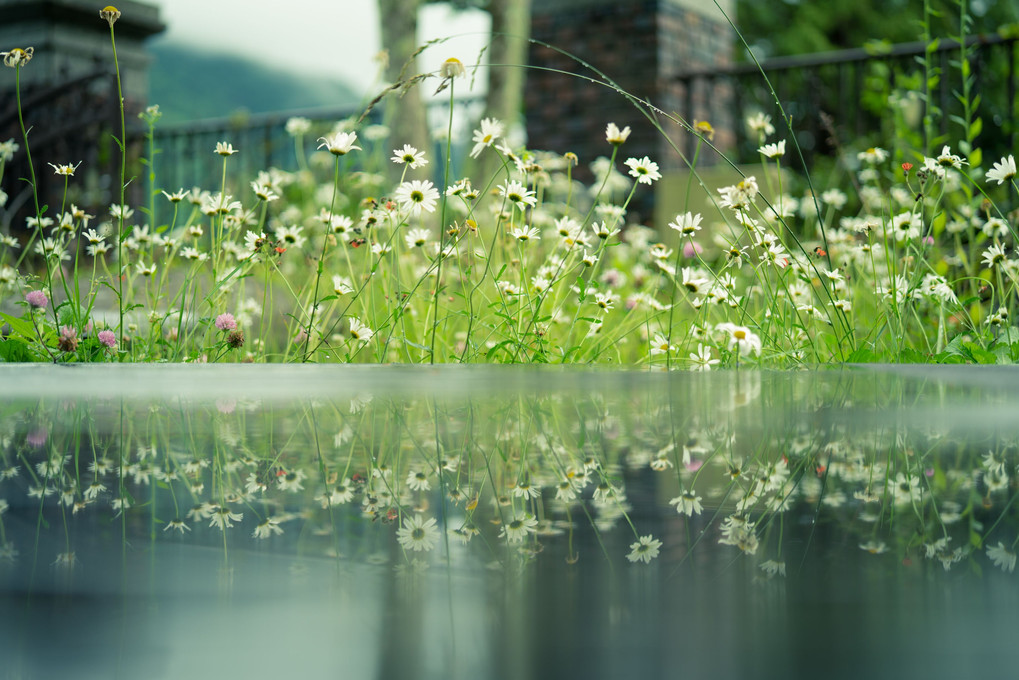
639	44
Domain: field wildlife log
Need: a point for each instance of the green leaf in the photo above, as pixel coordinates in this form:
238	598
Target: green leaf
13	350
416	345
1002	353
581	288
19	326
979	354
976	158
862	356
976	127
498	346
912	356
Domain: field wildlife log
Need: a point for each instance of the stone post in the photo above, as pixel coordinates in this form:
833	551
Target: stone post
70	40
69	99
639	44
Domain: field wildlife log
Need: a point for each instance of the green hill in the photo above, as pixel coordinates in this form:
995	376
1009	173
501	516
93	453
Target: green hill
191	85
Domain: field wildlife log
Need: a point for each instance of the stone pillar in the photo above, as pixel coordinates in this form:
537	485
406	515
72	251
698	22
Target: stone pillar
641	45
69	100
71	40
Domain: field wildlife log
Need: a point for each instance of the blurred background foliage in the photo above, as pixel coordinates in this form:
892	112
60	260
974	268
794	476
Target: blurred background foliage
775	28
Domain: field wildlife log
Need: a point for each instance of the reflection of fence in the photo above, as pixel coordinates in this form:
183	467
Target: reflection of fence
853	87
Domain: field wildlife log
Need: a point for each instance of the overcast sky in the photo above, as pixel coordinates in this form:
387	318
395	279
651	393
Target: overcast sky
332	38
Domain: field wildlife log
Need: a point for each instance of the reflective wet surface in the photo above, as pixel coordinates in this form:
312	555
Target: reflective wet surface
221	521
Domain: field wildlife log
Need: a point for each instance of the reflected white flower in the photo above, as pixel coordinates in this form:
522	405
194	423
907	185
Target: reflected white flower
1002	557
177	525
517	529
874	547
267	527
687	503
417	480
566	491
418	534
223	518
644	550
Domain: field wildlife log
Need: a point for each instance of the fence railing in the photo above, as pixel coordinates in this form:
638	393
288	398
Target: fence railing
65	123
857	89
186	156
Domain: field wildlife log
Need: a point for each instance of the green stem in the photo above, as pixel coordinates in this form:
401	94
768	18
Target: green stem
122	142
442	226
31	167
321	259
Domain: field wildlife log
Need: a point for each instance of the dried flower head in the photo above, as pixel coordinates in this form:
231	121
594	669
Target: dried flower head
18	56
110	13
452	68
68	341
704	129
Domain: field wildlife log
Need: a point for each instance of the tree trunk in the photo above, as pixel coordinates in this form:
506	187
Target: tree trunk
404	110
511	27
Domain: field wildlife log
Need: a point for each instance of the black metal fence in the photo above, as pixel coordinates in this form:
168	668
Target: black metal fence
858	89
77	121
186	151
67	124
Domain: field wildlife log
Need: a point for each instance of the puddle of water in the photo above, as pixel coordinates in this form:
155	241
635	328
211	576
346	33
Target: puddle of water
385	522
